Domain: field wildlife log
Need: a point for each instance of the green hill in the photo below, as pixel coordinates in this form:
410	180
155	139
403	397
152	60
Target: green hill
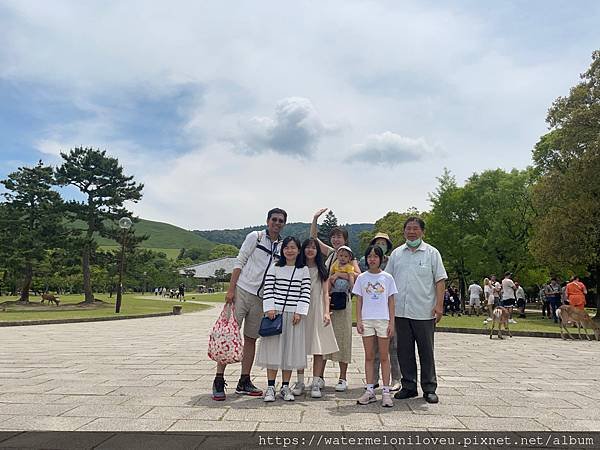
170	239
298	229
165	237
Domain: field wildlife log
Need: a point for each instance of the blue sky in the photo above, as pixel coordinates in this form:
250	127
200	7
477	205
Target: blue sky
225	109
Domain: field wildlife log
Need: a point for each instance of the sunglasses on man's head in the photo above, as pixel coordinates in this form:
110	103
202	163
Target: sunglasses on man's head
277	219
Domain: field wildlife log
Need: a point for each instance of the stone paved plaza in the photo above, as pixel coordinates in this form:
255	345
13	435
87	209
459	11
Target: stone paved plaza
153	375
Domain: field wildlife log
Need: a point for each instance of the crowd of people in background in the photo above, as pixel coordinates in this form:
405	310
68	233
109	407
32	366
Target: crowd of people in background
178	293
510	294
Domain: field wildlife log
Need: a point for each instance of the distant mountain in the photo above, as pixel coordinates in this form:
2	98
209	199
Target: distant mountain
298	229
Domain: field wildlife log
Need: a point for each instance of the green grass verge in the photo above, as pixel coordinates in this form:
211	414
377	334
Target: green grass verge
132	304
217	297
533	322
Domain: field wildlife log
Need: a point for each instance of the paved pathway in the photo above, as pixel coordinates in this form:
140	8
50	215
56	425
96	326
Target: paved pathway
153	374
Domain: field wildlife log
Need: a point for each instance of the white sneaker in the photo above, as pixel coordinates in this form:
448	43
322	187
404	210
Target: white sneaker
320	382
298	389
386	400
512	321
366	398
341	386
286	394
315	391
269	394
395	386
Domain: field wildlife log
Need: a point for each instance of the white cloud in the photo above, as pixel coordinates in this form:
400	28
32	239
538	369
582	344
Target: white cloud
390	149
49	147
295	130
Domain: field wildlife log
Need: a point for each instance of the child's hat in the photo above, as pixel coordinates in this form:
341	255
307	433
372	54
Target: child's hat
348	249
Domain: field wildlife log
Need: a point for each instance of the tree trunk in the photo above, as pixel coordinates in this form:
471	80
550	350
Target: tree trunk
87	283
26	286
596	276
461	285
4	280
462	290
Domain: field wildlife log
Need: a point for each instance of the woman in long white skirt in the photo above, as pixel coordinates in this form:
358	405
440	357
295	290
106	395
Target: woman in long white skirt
287	292
341	319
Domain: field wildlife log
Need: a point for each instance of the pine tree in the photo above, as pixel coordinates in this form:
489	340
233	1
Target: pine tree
31	223
329	223
106	188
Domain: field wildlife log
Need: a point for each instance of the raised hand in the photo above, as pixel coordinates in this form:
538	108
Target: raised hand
320	212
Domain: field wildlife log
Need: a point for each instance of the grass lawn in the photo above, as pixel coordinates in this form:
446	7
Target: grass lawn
533	322
132	304
217	297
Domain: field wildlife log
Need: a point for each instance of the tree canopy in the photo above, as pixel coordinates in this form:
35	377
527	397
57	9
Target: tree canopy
223	251
567	193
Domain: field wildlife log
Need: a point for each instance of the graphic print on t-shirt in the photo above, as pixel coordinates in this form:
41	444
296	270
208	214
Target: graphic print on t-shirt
375	289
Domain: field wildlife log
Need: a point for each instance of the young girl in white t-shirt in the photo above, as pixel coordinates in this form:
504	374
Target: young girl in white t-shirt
375	309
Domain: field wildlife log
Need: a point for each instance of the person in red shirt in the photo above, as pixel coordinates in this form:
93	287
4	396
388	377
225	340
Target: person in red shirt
575	293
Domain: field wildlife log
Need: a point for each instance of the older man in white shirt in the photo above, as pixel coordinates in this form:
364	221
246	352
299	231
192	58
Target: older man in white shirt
420	276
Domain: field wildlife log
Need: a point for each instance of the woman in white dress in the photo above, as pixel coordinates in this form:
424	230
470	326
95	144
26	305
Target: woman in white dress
341	319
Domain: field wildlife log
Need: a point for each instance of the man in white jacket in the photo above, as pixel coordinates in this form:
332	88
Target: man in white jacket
259	250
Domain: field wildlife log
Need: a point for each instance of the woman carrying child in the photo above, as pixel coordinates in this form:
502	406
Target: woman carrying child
287	292
375	309
320	339
341	319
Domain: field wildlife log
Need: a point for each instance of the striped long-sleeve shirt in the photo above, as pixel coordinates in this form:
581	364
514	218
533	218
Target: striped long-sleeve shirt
277	283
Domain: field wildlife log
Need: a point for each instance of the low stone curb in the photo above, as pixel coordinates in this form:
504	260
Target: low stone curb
82	319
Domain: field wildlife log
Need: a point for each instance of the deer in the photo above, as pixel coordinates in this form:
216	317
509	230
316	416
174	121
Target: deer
500	315
569	314
51	299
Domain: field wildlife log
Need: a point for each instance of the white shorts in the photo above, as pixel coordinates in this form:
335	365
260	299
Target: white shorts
474	302
375	327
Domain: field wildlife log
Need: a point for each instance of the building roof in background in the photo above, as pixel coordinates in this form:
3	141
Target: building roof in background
207	269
